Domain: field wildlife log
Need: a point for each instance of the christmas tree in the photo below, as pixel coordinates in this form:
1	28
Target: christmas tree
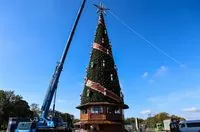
102	101
101	82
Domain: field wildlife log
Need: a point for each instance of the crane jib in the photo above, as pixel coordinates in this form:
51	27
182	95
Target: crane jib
55	79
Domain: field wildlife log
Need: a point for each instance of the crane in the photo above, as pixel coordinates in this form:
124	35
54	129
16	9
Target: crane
44	123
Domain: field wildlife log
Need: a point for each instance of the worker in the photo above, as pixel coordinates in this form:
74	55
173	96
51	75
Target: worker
174	125
34	123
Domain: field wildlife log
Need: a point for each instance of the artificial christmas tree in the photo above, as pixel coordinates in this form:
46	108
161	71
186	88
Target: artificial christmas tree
102	100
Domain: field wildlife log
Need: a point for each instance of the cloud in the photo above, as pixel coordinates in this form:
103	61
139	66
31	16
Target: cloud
175	101
145	112
183	66
151	81
61	101
175	97
192	110
161	71
145	74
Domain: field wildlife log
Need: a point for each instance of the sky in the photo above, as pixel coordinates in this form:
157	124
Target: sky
156	52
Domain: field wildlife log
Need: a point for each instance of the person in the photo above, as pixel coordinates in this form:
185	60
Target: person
174	125
177	125
34	125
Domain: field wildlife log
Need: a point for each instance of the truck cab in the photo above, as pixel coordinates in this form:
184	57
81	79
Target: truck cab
190	126
26	127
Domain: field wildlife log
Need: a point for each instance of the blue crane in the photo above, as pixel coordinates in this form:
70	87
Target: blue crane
44	122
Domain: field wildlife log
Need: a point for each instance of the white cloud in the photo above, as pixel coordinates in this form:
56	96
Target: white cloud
145	74
174	97
183	66
151	81
192	109
61	101
161	71
175	101
145	112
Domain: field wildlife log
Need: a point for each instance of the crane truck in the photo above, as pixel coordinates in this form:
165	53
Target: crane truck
44	123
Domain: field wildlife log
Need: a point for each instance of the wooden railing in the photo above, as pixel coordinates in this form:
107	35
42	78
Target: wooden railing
114	117
97	117
102	117
84	117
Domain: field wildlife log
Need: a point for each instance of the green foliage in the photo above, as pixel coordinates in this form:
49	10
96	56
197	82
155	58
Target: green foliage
2	103
99	73
75	121
66	117
101	32
152	121
177	117
12	106
158	118
35	109
132	120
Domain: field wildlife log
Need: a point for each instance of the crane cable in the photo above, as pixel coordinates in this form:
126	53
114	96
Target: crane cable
146	40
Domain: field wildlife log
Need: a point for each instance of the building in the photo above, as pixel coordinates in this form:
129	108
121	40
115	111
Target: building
102	104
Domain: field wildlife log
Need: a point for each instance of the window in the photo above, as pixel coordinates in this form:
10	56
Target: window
182	125
113	110
97	110
84	111
110	110
194	124
117	111
24	126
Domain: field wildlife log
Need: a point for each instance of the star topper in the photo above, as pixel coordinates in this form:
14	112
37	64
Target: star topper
101	8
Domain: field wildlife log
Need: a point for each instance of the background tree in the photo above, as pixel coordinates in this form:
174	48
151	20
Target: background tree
150	122
177	117
76	120
12	106
2	102
35	109
66	117
131	120
21	109
158	118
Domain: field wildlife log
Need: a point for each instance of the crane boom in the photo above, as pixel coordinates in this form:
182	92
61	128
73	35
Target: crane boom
56	75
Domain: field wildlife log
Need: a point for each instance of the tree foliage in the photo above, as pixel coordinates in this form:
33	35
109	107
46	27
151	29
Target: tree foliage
158	118
35	109
101	69
12	105
131	120
76	120
66	117
150	122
